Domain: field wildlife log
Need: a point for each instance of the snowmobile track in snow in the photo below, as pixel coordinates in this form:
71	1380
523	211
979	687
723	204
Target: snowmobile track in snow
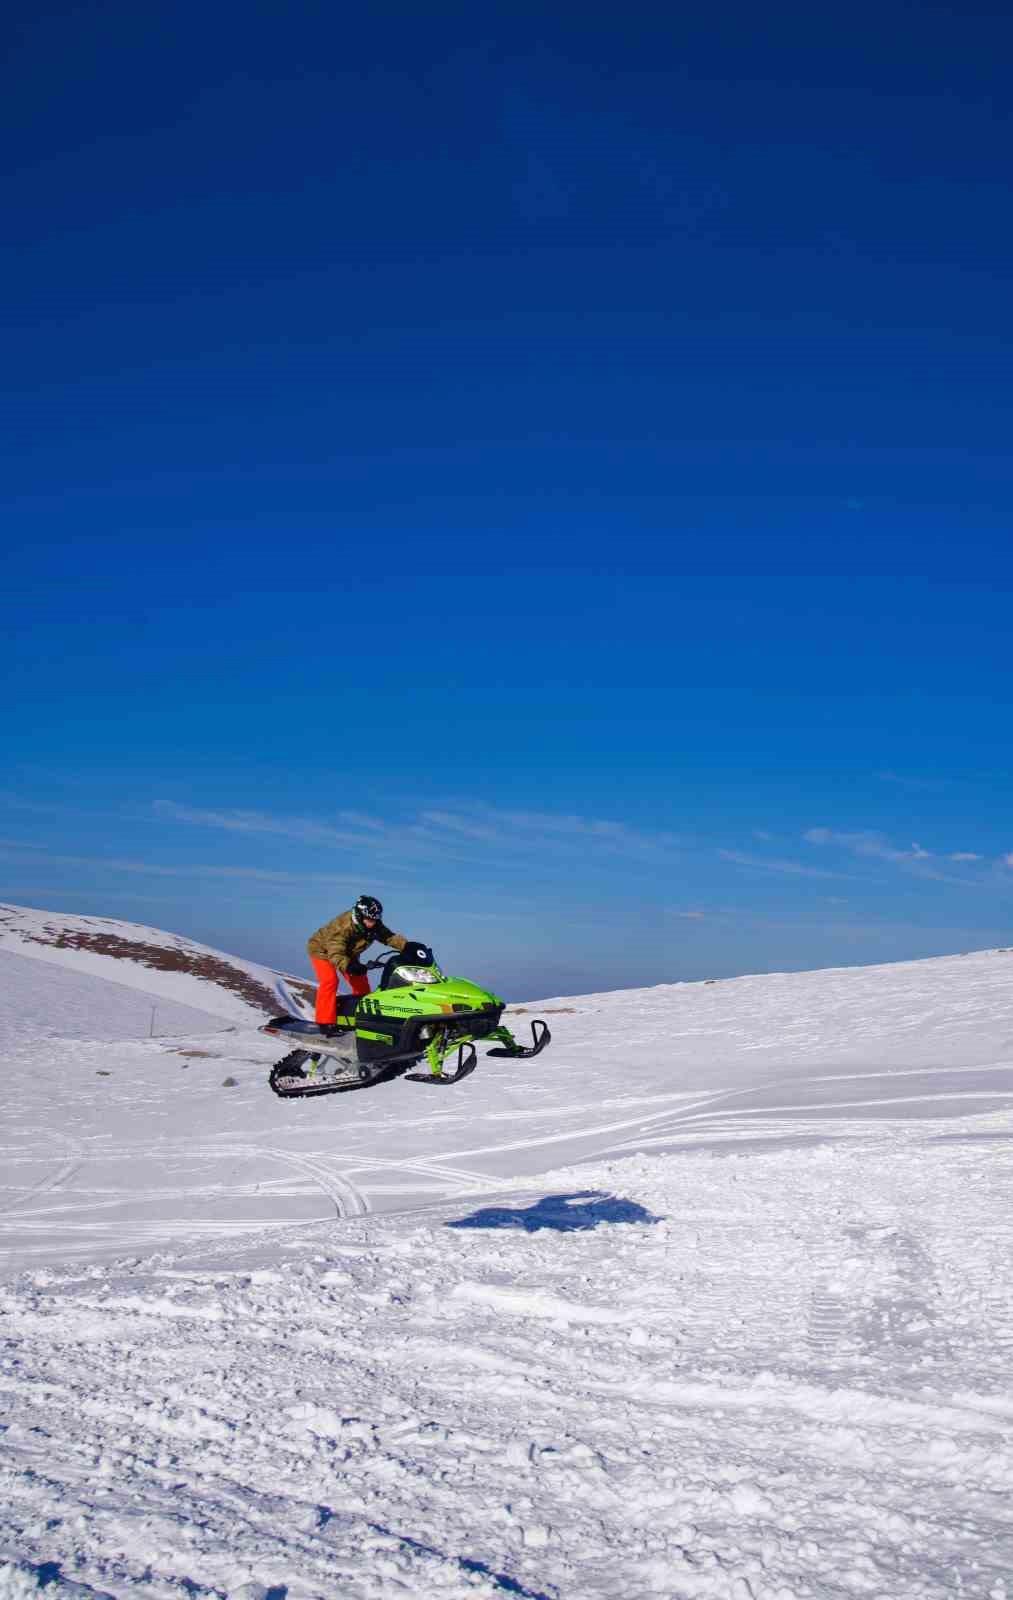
347	1199
53	1180
23	1214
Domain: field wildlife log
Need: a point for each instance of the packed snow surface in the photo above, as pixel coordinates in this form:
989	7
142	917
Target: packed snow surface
712	1299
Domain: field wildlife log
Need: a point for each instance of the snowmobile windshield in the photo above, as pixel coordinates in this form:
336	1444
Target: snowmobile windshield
418	974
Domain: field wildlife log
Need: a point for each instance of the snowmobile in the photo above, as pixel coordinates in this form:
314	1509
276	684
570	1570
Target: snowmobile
415	1014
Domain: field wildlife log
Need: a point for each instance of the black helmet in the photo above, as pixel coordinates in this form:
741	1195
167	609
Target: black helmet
366	906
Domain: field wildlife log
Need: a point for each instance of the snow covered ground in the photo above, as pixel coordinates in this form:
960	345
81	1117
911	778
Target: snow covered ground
712	1299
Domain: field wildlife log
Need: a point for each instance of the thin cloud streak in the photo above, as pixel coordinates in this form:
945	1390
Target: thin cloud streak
36	807
45	890
925	785
305	829
793	868
601	829
528	829
914	859
153	869
461	825
440	828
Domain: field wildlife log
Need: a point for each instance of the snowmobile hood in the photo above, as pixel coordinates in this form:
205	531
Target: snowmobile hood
461	991
432	999
447	996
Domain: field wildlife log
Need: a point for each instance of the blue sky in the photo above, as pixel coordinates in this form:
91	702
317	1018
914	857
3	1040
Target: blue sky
549	470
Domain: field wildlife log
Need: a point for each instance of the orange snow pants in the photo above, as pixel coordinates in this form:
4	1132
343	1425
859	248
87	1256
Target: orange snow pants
327	988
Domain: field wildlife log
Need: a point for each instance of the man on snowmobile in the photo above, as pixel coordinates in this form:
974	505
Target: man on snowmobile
336	947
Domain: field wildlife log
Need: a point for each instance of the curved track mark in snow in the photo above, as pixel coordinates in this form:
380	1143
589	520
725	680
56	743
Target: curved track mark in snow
52	1180
348	1200
704	1109
433	1168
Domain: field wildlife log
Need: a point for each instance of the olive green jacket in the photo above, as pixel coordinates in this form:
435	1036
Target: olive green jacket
342	943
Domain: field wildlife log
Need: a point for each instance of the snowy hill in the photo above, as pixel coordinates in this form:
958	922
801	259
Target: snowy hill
710	1300
162	965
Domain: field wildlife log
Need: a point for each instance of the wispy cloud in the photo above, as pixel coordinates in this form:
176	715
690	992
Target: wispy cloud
554	828
355	830
867	843
25	893
37	807
913	857
358	819
38	853
465	827
12	801
772	864
1007	861
443	829
907	781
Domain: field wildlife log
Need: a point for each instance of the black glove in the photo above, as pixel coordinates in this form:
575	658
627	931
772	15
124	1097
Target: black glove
419	954
355	967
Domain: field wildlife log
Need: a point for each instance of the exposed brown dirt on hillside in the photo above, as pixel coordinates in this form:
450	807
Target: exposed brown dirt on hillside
162	958
306	991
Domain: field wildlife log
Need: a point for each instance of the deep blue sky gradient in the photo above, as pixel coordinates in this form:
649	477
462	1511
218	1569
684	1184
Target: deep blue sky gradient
546	466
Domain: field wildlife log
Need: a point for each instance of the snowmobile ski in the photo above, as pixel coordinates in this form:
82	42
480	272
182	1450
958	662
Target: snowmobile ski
541	1036
467	1061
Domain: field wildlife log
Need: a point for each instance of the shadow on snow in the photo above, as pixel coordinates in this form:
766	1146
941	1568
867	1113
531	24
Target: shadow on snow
567	1213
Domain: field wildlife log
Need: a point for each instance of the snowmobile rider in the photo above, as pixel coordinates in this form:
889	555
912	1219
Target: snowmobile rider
336	947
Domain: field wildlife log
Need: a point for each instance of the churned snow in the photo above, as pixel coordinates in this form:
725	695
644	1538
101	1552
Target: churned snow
712	1299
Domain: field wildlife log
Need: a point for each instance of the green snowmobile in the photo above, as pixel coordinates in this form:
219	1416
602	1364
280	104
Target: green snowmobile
415	1014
